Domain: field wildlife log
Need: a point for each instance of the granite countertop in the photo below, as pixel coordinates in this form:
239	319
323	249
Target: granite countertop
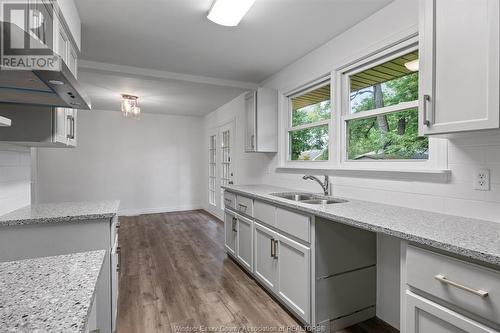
62	212
50	294
472	238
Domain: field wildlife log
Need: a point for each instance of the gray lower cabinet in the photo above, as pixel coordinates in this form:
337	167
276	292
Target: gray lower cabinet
265	262
425	316
444	294
328	288
283	266
238	241
230	232
294	273
42	240
244	237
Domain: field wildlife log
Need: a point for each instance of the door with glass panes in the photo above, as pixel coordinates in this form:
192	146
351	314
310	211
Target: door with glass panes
220	168
226	138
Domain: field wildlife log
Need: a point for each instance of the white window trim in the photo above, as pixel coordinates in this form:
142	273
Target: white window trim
437	147
337	165
287	128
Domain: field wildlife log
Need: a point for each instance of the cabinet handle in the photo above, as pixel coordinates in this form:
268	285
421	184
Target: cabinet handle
272	248
252	141
119	253
427	99
234	225
228	201
242	206
71	134
478	292
275	249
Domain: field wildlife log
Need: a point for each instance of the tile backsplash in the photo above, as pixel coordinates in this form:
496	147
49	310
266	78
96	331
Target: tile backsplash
15	178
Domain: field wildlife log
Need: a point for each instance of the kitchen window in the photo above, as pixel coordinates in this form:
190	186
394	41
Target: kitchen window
309	114
380	110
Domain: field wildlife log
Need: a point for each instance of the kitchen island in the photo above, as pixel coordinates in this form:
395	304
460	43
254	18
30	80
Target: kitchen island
50	294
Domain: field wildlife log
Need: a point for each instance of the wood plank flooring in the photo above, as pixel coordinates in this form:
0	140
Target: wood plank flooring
176	275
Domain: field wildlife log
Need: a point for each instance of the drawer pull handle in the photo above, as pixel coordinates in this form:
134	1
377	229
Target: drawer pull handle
228	200
233	226
478	292
242	207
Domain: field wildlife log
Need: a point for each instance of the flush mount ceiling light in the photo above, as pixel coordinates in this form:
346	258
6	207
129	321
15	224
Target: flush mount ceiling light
229	12
130	106
412	65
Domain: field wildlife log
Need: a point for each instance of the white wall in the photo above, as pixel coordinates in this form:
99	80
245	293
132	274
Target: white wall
151	164
15	178
465	153
248	168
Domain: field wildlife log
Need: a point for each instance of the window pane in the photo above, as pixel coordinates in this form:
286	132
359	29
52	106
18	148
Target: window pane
383	85
310	144
386	137
311	107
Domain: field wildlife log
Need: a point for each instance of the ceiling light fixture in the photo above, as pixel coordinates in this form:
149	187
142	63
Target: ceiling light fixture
229	12
130	106
412	65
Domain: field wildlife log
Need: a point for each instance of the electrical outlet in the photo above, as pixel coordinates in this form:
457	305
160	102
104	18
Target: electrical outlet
482	179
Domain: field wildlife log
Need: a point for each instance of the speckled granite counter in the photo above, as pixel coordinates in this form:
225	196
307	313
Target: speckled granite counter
62	212
51	294
472	238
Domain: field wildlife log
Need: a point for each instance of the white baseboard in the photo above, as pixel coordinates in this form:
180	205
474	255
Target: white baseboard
156	210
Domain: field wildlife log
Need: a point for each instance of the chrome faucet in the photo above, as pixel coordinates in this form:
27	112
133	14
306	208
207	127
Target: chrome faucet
324	185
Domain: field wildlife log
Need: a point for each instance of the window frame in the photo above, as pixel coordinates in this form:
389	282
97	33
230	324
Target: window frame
342	103
211	150
288	128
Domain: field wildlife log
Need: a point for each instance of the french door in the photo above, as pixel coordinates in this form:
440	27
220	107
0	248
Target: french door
220	165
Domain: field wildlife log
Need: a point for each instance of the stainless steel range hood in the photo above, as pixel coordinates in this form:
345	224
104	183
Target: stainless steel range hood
48	87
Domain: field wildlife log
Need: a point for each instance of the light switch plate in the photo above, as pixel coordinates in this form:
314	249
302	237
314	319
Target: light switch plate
481	179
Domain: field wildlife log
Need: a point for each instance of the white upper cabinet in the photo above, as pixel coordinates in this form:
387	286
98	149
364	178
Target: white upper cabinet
459	66
261	112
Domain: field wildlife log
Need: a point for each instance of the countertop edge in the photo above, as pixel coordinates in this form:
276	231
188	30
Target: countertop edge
462	251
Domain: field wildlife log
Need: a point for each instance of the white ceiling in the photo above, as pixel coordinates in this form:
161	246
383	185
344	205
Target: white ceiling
156	95
163	37
175	36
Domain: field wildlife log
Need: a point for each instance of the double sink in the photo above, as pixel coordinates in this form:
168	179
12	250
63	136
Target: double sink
308	198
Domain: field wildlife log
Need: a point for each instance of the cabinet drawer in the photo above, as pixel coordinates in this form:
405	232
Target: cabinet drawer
445	277
297	225
264	212
425	316
229	199
244	205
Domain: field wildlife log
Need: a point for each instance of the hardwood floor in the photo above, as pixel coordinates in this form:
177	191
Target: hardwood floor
176	275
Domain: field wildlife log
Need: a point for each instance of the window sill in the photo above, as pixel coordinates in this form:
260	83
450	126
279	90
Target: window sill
437	175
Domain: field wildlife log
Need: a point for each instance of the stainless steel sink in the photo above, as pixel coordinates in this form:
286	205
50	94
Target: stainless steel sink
322	201
309	198
295	196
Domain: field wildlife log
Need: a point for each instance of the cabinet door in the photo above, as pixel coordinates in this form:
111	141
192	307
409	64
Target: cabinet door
251	118
71	119
459	65
61	126
62	44
294	276
72	61
265	262
230	225
244	243
425	316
